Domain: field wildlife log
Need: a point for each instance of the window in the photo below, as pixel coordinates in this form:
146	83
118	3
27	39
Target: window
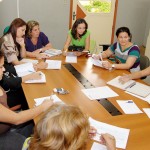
96	6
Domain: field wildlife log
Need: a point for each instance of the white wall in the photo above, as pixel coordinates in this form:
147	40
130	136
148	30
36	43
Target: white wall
147	51
134	14
53	16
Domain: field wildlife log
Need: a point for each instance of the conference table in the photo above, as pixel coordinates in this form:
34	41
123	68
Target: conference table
77	76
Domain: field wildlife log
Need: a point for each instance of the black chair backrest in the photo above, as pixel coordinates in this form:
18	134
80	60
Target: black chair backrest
144	63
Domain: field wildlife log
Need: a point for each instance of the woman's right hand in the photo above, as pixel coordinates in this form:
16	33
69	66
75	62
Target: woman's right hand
95	56
108	140
46	104
125	78
36	75
42	65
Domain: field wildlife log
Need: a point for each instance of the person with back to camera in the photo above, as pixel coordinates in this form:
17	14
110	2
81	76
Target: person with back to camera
14	44
127	54
14	139
64	127
79	35
36	41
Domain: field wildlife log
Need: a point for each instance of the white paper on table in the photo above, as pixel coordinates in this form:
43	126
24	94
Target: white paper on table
97	62
39	101
99	92
129	107
29	61
53	64
42	80
53	52
97	146
120	134
24	69
147	99
71	59
147	111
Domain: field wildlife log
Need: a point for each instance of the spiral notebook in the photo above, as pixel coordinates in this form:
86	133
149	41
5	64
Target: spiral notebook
131	86
115	82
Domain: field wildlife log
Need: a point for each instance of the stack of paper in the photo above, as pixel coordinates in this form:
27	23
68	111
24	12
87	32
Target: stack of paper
39	101
53	64
24	69
53	52
115	82
120	134
99	93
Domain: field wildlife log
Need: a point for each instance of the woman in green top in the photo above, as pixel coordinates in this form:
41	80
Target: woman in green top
78	36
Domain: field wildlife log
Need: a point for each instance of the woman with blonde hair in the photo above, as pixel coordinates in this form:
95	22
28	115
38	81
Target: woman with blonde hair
63	127
36	41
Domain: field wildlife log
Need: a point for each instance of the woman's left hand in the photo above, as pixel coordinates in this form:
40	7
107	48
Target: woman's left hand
20	41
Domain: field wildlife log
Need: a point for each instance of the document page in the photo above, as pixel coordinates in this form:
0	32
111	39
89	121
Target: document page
97	146
120	134
129	107
139	89
24	69
29	60
39	101
53	52
42	80
115	82
99	92
53	64
71	59
147	111
147	98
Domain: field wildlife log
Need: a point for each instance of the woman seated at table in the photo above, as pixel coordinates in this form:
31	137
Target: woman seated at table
14	139
127	54
135	75
14	44
79	36
64	127
36	42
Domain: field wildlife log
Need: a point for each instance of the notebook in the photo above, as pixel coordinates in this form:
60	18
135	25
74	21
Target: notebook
115	82
139	89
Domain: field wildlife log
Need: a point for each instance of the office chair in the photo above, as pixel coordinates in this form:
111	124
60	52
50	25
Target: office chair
6	30
144	63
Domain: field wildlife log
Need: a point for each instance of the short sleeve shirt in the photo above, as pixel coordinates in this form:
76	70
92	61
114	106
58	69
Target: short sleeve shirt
122	56
78	42
42	41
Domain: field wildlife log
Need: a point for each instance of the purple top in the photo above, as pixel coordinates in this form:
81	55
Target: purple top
42	41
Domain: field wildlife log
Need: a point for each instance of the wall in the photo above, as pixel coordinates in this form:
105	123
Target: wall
134	14
53	16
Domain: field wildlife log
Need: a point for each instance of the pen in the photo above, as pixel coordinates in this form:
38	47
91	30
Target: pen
129	101
101	57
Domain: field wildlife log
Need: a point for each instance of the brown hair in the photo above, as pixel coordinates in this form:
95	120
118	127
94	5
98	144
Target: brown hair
16	23
62	127
30	25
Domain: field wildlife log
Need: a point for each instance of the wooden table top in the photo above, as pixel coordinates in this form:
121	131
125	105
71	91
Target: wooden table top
139	124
